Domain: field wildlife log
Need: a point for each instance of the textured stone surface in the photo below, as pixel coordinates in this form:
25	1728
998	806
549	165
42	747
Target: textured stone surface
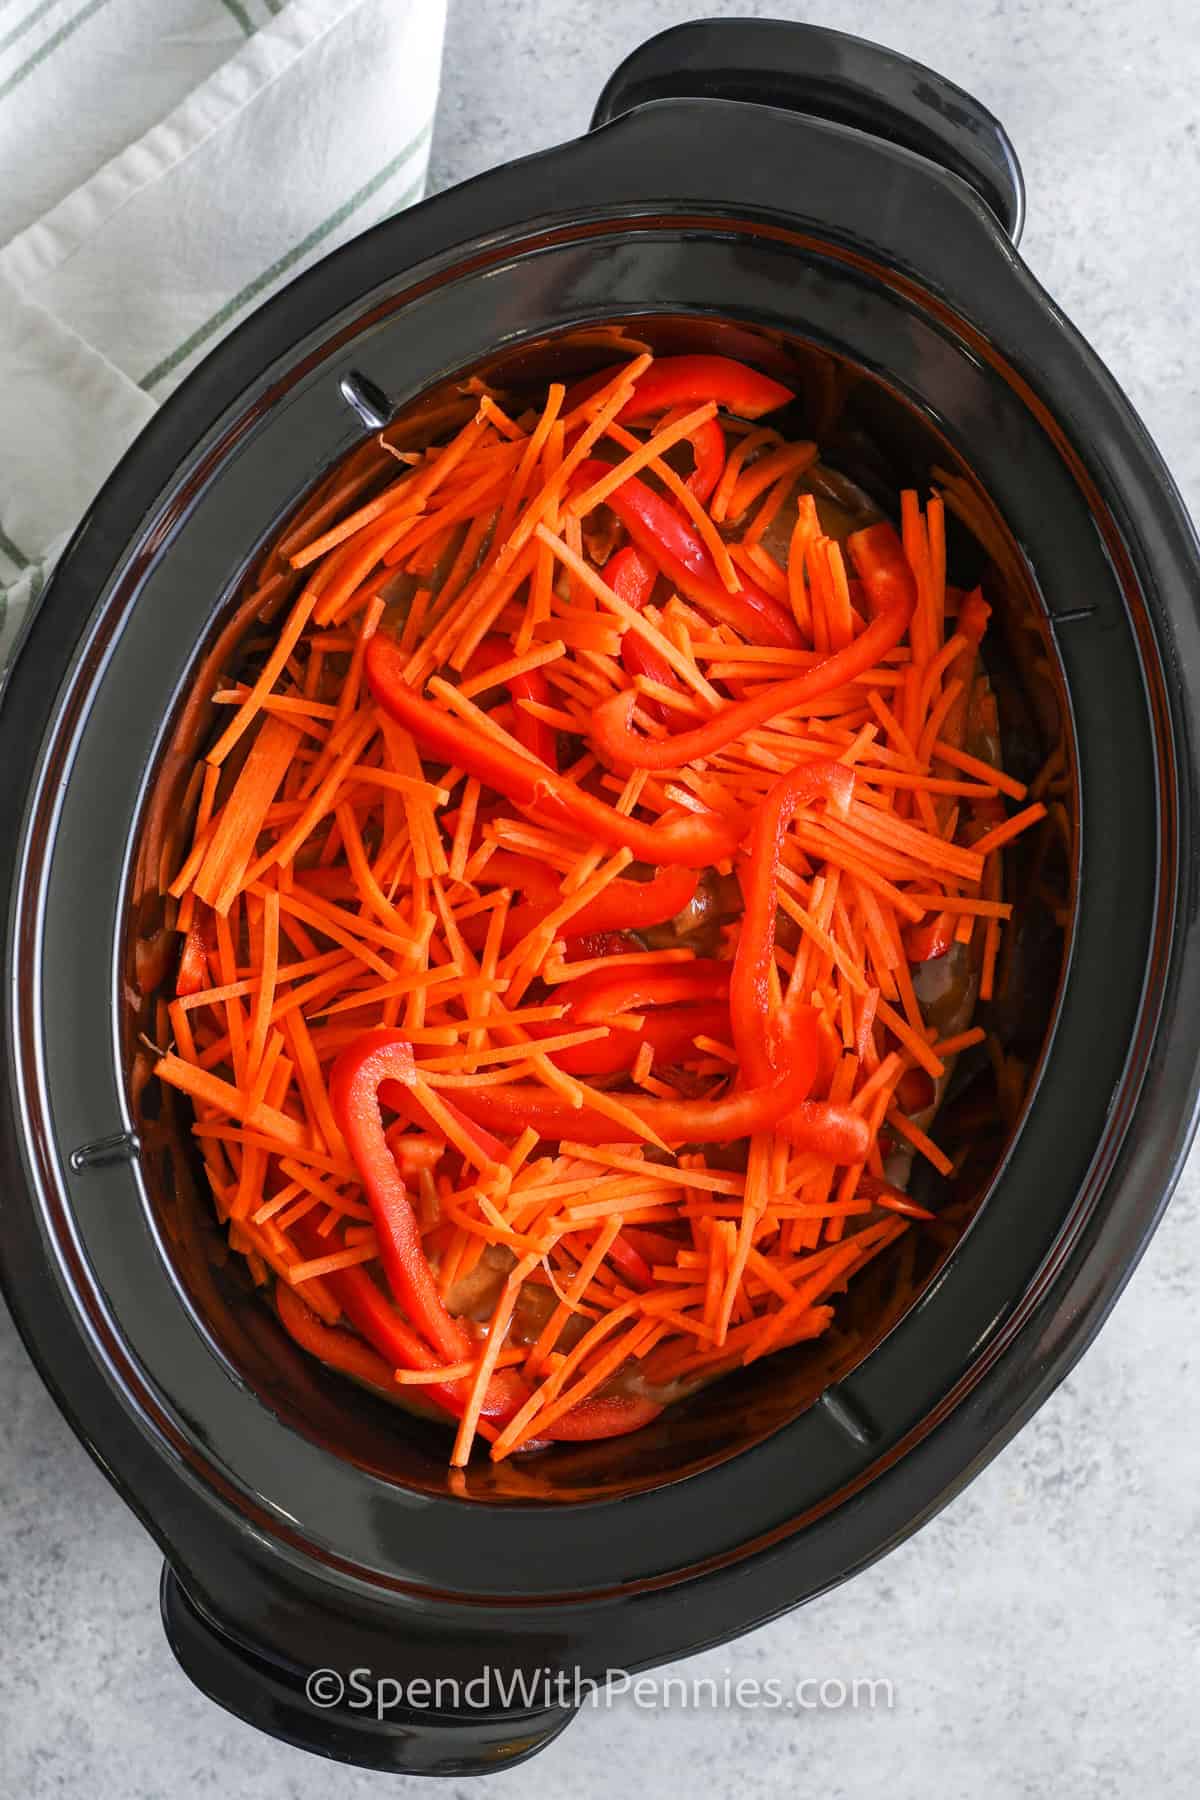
1042	1633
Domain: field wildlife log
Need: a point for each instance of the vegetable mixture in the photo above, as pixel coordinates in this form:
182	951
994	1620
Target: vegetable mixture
588	894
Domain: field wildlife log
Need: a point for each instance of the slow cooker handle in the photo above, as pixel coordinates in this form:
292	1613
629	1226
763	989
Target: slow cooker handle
366	1726
829	75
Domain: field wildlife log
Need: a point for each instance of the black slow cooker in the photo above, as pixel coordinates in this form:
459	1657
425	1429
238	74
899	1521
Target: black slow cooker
830	211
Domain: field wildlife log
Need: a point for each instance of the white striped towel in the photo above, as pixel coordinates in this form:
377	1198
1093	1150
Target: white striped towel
165	165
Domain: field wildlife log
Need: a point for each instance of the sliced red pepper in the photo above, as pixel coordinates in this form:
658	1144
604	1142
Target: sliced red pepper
395	1348
354	1082
622	906
362	1069
594	998
690	381
632	576
372	1314
830	1130
751	1000
604	1416
329	1344
508	868
599	943
630	1262
879	557
655	1246
626	905
708	449
693	840
414	1151
404	1101
931	938
669	539
915	1091
691	996
539	738
670	1033
193	963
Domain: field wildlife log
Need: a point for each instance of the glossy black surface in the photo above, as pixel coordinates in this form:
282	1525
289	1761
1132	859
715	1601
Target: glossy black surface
808	234
829	75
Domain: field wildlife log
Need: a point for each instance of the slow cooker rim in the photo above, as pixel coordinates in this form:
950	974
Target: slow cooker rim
97	517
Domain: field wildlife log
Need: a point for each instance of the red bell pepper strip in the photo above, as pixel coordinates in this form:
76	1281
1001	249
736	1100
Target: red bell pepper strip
354	1083
372	1314
693	840
536	880
367	1309
603	1416
831	1130
626	905
670	1033
539	738
667	537
680	381
193	963
376	1058
708	454
750	993
630	1262
708	449
677	988
591	999
707	442
915	1091
879	557
329	1344
655	1246
931	938
404	1101
822	1126
599	943
632	576
689	381
414	1151
621	906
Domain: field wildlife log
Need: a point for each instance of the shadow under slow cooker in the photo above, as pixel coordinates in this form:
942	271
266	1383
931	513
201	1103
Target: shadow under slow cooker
873	440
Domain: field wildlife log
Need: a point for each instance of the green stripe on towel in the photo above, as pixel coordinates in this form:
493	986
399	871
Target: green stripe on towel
50	46
18	31
9	549
290	258
243	18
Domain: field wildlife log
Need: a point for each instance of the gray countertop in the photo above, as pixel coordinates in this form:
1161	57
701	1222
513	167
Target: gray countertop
1041	1635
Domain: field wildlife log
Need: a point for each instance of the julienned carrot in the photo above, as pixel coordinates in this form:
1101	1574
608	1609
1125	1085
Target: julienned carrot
242	817
435	869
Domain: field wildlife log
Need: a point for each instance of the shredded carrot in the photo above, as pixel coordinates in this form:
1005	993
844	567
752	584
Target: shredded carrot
332	877
241	819
1011	828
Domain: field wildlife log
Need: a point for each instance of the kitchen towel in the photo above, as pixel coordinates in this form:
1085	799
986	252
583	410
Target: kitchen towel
165	166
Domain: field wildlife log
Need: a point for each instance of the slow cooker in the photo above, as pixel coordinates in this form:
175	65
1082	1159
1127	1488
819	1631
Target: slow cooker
841	216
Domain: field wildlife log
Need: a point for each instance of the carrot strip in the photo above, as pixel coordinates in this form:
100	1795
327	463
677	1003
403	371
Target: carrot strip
348	891
240	820
1011	828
